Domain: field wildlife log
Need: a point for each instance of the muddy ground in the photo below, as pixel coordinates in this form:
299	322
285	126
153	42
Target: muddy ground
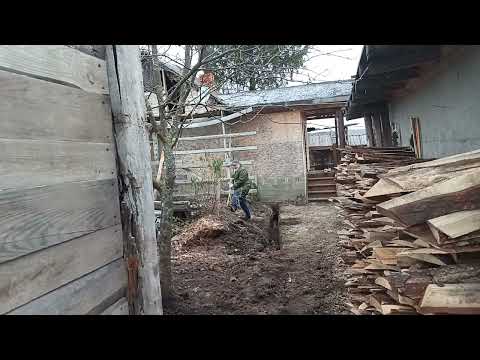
233	270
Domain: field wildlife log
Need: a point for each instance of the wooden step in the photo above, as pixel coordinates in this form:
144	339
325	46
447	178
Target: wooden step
322	185
317	199
322	192
321	178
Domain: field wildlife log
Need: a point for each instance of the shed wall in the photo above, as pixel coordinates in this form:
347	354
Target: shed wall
447	105
60	234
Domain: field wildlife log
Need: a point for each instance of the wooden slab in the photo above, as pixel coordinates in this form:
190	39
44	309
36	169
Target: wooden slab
41	110
383	188
456	224
28	163
33	219
451	299
82	295
419	176
457	194
119	308
36	274
56	63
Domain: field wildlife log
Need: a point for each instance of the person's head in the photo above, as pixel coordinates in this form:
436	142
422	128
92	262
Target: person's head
235	164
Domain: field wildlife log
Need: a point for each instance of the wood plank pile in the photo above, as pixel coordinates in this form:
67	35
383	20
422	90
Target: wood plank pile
390	155
412	235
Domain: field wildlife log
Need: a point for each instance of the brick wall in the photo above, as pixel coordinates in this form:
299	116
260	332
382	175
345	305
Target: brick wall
279	160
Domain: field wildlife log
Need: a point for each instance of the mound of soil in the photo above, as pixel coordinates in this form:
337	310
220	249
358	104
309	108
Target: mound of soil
228	229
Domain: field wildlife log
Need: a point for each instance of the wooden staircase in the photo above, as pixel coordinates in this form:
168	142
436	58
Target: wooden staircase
320	186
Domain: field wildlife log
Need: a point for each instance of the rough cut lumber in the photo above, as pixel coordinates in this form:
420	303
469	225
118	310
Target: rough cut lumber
56	63
414	282
387	255
33	219
82	296
119	308
418	176
456	224
456	194
451	299
135	175
383	188
94	50
47	111
28	163
36	274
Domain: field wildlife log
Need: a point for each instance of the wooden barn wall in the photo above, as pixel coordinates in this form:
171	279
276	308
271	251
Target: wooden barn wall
60	232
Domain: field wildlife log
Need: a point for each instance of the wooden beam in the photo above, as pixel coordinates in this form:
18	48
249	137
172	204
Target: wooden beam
386	129
135	175
369	129
218	136
341	129
219	150
377	129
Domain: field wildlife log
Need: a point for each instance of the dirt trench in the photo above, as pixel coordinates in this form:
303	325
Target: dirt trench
304	277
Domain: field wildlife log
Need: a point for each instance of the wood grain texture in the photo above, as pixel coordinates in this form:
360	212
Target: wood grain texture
457	194
36	274
36	109
80	296
451	299
27	163
457	224
37	218
119	308
56	63
94	50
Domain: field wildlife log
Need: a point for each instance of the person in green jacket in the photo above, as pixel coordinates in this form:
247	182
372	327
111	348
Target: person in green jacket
241	187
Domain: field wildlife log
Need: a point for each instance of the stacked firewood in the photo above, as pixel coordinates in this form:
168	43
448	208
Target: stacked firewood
412	234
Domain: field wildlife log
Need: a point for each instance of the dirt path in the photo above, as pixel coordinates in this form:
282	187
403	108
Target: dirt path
305	277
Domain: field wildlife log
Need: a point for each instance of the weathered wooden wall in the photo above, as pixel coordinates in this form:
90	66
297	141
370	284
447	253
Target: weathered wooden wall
60	233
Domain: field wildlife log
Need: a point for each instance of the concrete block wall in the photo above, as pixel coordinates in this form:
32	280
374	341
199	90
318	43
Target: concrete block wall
447	105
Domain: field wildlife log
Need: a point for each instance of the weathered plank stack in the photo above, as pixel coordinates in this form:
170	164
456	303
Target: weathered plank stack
413	235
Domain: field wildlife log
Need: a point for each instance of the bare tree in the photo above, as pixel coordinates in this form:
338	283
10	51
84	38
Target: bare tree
177	104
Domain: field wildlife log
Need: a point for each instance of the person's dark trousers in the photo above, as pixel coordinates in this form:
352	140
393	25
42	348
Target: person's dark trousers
244	206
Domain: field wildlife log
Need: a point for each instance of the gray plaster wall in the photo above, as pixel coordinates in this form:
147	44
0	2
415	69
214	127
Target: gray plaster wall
448	106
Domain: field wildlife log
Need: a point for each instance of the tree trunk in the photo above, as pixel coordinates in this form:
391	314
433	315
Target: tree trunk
252	84
135	179
165	237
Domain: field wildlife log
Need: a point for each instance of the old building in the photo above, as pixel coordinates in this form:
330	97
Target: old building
266	131
425	96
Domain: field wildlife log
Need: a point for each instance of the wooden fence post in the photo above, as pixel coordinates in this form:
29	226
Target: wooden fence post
135	179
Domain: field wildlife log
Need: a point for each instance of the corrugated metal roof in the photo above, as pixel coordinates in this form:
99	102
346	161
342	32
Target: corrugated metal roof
309	93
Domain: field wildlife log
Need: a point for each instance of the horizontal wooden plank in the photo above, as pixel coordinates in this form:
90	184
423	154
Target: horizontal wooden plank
36	109
27	163
33	219
451	299
36	274
94	50
56	63
182	166
119	308
218	136
220	150
81	296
